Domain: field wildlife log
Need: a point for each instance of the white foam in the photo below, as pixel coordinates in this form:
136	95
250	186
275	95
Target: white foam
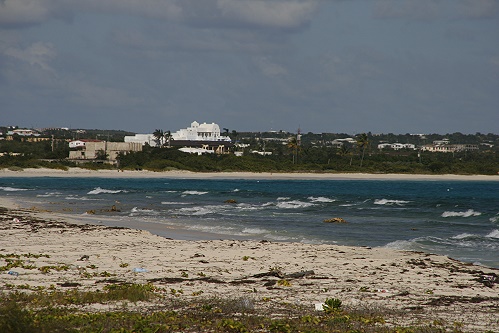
193	193
283	198
99	190
70	197
255	231
198	210
294	204
12	189
320	199
399	245
173	203
390	202
494	219
138	210
463	236
468	213
49	194
493	234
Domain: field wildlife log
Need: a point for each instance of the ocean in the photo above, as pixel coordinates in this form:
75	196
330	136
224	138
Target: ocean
459	219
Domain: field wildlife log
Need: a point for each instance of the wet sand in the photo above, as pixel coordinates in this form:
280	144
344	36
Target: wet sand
78	172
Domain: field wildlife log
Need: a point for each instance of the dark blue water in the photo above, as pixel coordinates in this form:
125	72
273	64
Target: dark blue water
455	218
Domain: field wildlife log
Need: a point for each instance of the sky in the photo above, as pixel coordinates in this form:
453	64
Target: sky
335	66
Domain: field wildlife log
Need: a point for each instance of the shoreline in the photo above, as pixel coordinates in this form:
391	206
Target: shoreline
79	172
424	286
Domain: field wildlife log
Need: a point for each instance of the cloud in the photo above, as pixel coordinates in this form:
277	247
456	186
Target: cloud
15	13
269	68
413	9
37	54
277	14
436	9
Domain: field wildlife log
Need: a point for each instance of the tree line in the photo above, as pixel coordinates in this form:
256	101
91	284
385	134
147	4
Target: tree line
292	154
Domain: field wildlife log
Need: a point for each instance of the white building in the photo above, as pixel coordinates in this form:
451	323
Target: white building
396	146
23	132
81	143
200	132
142	138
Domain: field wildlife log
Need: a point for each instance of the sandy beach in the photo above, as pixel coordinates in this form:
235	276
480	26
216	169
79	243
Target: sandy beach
79	172
415	288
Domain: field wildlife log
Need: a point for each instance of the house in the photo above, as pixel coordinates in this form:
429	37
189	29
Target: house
204	136
396	146
446	148
200	132
142	138
95	149
81	143
23	132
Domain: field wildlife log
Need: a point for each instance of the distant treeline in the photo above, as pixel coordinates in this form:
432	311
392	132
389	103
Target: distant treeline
313	154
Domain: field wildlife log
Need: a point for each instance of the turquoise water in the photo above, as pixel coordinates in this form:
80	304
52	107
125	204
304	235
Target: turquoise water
455	218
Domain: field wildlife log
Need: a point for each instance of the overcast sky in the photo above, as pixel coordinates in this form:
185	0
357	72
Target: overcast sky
399	66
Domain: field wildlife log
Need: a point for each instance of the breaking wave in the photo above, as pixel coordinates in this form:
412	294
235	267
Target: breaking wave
12	189
390	202
468	213
99	190
320	199
193	193
293	204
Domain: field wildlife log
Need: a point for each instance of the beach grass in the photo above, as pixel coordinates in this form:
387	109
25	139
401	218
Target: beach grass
144	308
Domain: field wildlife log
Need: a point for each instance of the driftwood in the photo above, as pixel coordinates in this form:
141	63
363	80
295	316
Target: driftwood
280	275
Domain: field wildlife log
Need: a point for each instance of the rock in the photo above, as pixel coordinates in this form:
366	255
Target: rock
230	201
335	220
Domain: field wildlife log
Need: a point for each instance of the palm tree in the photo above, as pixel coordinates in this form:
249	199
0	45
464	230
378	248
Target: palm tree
159	136
362	143
168	136
294	145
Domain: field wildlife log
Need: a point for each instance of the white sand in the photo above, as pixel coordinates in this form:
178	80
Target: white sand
418	287
79	172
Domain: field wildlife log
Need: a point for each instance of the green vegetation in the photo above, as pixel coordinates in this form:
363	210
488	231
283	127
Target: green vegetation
145	308
312	153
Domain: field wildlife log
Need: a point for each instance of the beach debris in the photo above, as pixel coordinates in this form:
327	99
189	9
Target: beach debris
13	273
15	220
140	270
319	306
232	201
69	284
279	274
90	212
198	255
335	220
113	209
84	258
489	280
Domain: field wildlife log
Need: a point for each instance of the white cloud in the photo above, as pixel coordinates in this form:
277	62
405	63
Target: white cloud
24	12
269	68
37	54
285	14
279	14
435	9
